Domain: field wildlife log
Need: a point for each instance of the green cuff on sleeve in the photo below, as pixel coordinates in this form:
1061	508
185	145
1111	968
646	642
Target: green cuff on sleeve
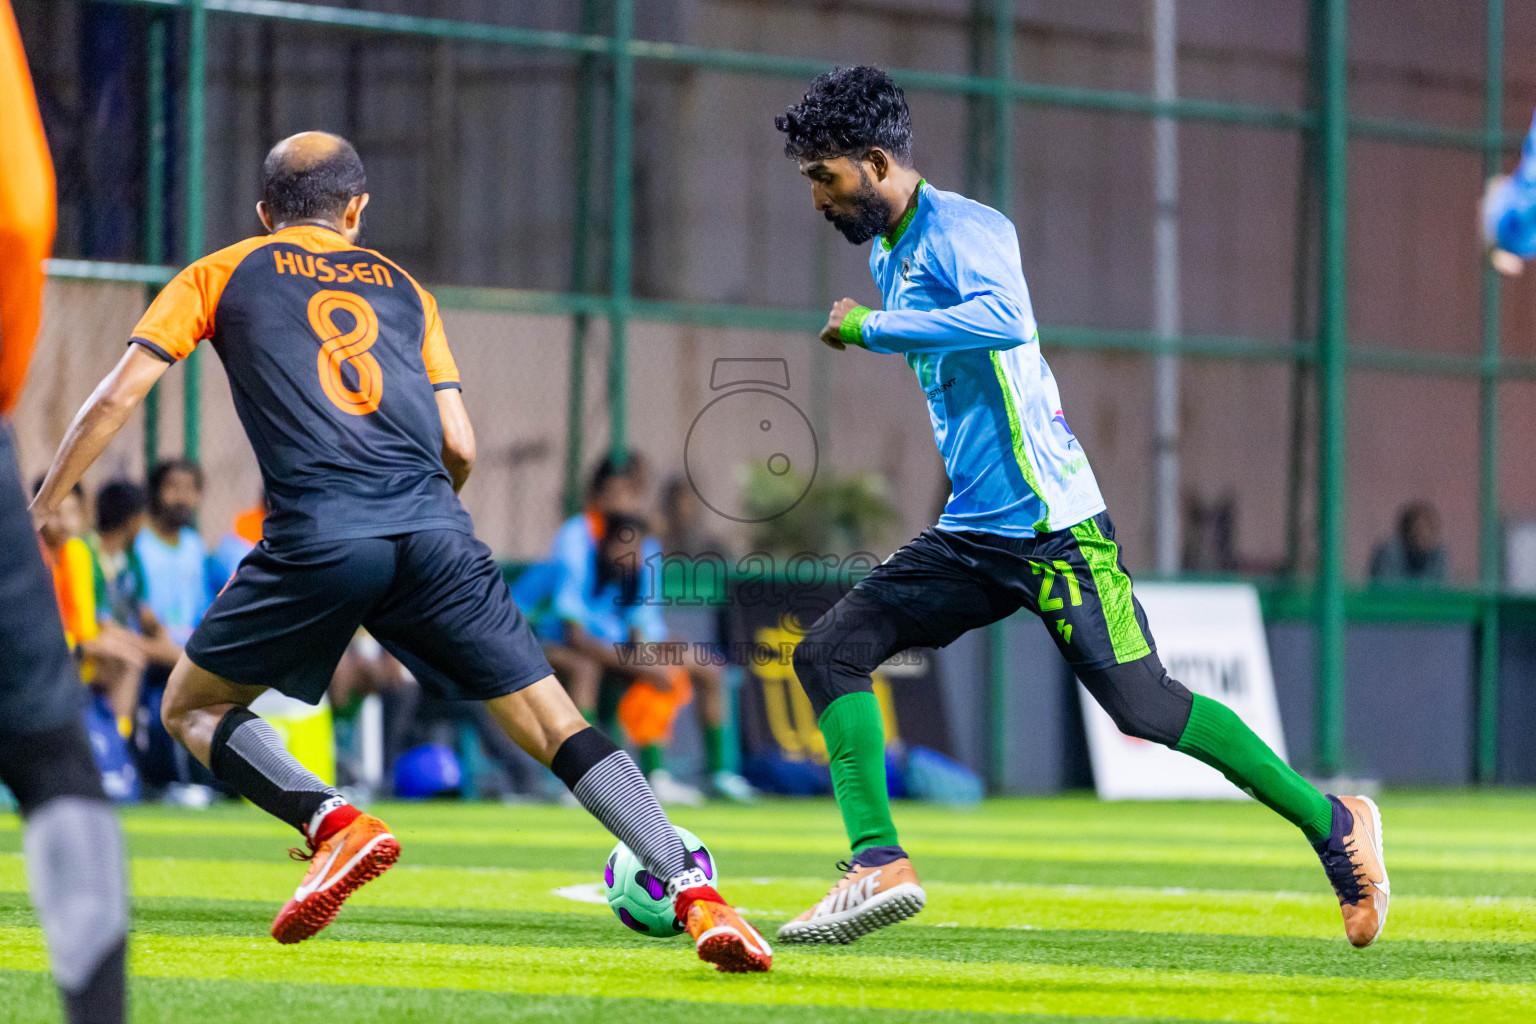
852	330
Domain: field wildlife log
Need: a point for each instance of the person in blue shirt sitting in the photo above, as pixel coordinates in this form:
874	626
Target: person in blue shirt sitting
174	571
592	604
171	553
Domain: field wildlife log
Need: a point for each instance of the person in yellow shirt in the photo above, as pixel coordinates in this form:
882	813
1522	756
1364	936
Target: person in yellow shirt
112	659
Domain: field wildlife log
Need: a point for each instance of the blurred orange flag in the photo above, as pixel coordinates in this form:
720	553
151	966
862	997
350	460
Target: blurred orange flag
27	211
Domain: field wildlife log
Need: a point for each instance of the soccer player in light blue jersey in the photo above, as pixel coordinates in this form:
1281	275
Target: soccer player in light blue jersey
1025	525
1509	213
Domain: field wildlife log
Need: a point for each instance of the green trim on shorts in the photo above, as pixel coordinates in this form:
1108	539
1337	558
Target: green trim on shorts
1114	587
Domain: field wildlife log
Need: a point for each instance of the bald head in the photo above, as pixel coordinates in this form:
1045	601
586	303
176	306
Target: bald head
311	176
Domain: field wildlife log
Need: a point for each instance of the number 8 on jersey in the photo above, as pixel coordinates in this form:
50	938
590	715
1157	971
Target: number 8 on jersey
340	346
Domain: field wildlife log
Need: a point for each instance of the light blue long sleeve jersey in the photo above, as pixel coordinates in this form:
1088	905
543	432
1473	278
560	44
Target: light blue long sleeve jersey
957	307
1510	216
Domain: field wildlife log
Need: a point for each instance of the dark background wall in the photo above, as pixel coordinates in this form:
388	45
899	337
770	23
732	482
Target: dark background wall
472	153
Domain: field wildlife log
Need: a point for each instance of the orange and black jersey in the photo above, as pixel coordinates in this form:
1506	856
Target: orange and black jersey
333	354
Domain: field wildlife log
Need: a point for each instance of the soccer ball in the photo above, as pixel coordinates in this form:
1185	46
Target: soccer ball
639	898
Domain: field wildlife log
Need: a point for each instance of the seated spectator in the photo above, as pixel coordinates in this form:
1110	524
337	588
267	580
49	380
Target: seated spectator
1415	553
111	658
595	617
174	567
120	515
244	534
171	553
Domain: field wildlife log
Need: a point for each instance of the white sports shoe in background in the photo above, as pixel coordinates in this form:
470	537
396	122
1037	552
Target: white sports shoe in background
730	786
669	790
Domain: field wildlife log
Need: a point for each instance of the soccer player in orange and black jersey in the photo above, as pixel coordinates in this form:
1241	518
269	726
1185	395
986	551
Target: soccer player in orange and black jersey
343	380
71	840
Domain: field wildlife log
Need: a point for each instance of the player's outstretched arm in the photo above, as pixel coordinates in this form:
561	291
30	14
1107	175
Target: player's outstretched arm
458	436
97	422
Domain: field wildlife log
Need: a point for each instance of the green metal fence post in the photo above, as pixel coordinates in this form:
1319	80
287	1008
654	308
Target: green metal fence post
623	204
1002	192
154	206
192	233
581	230
976	106
1002	107
1488	423
1332	367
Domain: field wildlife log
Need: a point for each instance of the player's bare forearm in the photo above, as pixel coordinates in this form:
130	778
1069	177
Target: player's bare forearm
97	423
458	436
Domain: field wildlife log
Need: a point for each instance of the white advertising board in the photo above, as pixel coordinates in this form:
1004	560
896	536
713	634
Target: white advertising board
1210	637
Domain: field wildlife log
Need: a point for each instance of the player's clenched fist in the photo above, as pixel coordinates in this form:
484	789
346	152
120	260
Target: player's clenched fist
832	333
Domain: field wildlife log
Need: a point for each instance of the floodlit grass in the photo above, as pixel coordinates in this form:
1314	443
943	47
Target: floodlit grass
1054	910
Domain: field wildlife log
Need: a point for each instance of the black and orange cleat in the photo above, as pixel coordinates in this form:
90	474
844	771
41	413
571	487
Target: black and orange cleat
721	935
340	864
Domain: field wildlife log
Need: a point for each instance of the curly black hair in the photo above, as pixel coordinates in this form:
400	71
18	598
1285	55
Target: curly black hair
848	112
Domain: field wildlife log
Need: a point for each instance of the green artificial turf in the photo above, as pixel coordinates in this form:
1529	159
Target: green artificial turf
1052	909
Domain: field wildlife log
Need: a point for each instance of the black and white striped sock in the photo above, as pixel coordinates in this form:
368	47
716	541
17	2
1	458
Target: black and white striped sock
248	755
609	785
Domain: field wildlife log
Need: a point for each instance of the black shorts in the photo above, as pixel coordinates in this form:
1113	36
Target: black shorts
39	683
434	599
943	584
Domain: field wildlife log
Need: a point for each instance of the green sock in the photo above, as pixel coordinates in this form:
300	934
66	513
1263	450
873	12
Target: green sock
855	737
590	714
1218	737
650	758
714	748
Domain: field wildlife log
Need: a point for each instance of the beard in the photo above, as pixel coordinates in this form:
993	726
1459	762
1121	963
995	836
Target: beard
871	213
177	516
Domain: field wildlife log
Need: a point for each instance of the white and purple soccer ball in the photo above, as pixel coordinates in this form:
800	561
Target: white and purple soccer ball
639	899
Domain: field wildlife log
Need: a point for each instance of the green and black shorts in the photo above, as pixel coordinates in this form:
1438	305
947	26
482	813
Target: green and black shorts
946	583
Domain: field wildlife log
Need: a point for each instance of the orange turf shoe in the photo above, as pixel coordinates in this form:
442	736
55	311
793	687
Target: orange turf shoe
864	899
723	937
358	853
1352	858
